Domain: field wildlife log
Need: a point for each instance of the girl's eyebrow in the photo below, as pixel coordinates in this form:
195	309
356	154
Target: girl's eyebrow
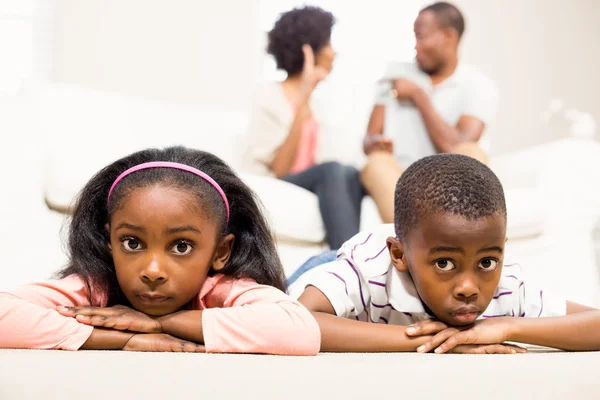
185	228
125	225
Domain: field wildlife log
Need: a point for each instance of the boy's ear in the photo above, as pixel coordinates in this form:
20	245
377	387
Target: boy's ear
396	249
223	252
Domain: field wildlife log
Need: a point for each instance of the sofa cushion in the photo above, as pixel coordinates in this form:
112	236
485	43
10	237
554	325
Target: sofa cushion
292	211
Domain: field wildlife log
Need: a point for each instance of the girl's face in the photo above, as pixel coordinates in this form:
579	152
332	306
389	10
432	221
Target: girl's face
163	246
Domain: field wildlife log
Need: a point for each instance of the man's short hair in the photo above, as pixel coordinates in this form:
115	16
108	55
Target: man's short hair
448	16
446	183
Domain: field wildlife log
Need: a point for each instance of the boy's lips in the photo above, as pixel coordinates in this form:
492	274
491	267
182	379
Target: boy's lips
466	314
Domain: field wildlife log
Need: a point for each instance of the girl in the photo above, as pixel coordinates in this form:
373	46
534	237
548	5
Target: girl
169	251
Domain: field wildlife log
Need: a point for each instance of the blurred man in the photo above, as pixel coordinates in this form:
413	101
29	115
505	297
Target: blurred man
434	105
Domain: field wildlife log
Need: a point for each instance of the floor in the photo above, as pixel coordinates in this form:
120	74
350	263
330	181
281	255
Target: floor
89	375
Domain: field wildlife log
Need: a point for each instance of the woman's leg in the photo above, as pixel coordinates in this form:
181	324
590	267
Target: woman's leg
339	211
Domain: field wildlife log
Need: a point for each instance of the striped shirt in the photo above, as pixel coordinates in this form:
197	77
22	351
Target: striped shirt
363	284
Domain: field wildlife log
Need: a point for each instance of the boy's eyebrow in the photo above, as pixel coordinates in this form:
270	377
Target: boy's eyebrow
184	228
445	249
491	248
130	226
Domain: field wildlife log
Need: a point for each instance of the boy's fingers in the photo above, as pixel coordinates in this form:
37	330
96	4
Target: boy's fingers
437	340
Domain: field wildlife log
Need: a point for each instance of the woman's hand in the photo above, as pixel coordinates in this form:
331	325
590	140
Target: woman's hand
121	318
161	342
311	74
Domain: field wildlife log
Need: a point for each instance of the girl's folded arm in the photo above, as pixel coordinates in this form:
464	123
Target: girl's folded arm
253	319
28	319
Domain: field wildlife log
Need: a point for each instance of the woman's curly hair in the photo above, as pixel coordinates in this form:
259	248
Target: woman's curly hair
307	25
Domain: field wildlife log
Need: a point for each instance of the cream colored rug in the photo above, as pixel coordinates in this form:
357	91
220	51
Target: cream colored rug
87	375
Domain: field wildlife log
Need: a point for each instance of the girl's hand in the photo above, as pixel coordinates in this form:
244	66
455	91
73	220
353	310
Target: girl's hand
161	342
121	318
489	331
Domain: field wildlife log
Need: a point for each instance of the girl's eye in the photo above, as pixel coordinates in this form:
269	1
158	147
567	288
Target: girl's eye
488	264
182	248
445	265
131	244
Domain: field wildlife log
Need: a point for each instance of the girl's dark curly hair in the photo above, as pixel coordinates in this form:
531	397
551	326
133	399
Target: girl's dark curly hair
307	25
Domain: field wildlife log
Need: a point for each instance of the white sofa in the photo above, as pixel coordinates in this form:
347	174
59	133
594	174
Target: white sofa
552	190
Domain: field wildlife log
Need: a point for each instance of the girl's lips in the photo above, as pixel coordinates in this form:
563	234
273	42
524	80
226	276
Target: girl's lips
153	298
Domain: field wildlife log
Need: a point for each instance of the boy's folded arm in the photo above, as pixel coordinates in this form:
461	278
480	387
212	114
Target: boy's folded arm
578	330
340	334
346	335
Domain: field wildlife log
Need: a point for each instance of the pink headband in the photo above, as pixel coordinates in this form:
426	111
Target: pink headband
166	164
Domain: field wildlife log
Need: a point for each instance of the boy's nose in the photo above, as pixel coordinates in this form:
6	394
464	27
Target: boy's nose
154	274
466	289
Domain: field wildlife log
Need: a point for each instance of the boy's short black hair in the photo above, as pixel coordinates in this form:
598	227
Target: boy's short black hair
446	183
306	25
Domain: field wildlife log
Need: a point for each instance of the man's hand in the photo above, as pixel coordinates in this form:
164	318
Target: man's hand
376	142
404	89
161	342
118	317
489	331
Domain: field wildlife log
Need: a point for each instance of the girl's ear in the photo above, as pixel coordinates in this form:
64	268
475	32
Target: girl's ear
223	252
397	253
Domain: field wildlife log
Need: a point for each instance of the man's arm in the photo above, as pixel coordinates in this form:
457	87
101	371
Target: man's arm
374	139
444	136
346	335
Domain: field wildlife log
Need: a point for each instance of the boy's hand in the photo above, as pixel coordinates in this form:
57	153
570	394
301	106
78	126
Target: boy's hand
121	318
161	342
487	349
425	327
486	332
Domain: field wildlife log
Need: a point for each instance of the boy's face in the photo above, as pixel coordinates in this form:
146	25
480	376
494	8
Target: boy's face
455	263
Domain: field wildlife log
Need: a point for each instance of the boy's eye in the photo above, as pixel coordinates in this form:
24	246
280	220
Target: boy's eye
182	248
131	244
488	264
445	265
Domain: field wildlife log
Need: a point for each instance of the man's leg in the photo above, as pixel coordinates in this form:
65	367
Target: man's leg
379	177
472	150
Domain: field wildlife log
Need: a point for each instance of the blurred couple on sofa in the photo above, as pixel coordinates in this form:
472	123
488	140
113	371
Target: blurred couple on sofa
432	105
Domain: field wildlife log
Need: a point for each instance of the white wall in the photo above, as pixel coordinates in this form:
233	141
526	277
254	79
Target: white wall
208	53
535	50
198	52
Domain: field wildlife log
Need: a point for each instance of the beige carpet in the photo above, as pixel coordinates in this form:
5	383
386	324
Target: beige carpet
87	375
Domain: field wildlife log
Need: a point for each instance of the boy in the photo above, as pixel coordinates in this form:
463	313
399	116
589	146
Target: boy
438	282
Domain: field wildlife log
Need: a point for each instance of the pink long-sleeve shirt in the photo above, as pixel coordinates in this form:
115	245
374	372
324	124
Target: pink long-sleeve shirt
240	316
